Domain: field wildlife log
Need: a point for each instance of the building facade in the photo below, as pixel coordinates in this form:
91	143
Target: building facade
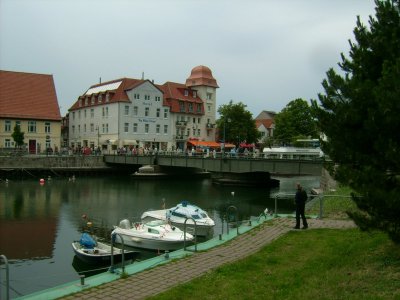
265	124
29	100
133	114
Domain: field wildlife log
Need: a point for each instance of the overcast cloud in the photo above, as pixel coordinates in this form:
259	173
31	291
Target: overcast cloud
262	53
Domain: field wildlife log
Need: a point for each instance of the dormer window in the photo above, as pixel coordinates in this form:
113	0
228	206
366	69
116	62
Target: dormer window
186	93
86	101
92	100
107	97
80	102
100	98
194	94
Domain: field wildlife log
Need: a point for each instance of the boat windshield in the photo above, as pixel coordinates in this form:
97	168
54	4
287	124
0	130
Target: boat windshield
196	217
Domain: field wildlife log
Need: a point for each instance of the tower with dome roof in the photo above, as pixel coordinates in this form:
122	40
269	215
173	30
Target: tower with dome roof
202	80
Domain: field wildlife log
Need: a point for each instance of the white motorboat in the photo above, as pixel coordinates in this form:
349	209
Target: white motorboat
154	235
178	214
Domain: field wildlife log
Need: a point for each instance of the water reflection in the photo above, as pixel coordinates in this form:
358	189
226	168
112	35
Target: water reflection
39	222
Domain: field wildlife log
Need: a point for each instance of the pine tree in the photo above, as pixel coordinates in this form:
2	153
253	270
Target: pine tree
359	114
18	136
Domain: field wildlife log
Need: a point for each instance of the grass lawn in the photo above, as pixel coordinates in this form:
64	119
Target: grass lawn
311	264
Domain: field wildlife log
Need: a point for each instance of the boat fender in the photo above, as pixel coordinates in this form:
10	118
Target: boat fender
173	228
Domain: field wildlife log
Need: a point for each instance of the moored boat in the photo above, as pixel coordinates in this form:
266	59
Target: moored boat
180	213
93	252
154	235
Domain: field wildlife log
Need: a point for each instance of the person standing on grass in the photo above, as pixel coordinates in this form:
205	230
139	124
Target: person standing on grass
300	201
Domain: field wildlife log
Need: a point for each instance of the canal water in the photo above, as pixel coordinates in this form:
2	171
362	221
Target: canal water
38	222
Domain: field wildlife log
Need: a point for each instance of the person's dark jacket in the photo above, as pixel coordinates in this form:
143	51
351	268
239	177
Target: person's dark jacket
301	197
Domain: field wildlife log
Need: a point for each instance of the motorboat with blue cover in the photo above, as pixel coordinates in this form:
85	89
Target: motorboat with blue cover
178	214
94	252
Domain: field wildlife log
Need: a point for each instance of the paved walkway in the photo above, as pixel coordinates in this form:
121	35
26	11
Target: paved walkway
161	278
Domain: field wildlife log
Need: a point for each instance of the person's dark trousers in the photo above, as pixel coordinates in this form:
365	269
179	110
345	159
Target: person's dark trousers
300	213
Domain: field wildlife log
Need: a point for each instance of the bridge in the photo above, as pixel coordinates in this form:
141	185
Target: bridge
224	165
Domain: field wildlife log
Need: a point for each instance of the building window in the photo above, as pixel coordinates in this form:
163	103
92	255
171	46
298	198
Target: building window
85	113
79	115
158	128
190	107
186	93
47	127
91	127
194	131
135	110
106	112
7	143
126	127
146	128
181	106
18	123
199	108
136	96
107	128
198	132
165	129
198	120
103	127
146	97
209	108
209	96
80	102
92	113
79	128
194	120
146	111
84	128
86	101
32	126
73	116
188	132
158	98
165	113
107	97
73	129
126	110
135	127
158	112
92	100
194	94
7	126
100	98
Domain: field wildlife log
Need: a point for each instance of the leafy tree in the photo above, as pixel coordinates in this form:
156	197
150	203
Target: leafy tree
295	121
236	124
359	114
18	136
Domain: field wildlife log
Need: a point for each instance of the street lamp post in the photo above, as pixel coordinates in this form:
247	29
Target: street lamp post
228	120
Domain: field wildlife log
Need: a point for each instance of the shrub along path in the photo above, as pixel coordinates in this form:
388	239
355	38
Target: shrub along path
161	278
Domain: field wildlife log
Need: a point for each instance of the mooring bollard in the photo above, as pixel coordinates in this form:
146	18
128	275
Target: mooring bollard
82	279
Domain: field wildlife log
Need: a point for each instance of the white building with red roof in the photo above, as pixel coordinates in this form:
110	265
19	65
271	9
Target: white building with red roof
29	100
136	113
265	124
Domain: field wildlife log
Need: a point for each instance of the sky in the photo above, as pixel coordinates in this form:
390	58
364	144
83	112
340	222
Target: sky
262	53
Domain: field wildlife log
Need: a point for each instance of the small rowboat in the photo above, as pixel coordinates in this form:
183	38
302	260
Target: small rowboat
92	252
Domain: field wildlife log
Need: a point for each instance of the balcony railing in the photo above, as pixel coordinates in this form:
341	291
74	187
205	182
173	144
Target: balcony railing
181	123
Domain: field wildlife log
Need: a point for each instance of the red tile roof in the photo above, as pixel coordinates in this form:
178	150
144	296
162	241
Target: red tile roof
117	94
175	93
28	96
268	123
